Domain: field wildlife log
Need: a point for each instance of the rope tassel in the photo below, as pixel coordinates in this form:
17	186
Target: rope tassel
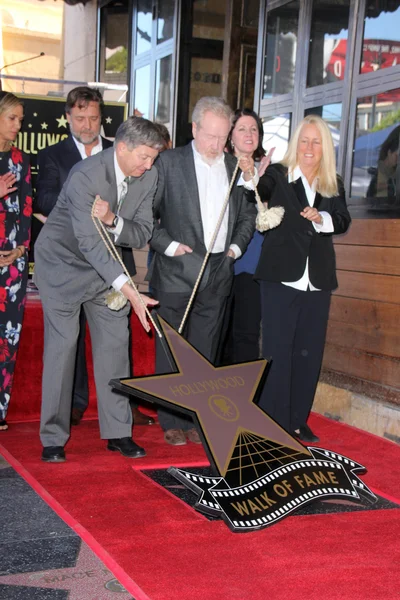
267	218
116	300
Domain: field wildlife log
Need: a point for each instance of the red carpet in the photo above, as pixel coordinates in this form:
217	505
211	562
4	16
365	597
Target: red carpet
161	549
26	395
153	540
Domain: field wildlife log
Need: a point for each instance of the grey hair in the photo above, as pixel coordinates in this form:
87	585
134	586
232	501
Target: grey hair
212	104
136	131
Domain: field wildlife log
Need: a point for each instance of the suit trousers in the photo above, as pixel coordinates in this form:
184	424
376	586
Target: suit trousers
80	390
109	335
202	330
242	327
294	327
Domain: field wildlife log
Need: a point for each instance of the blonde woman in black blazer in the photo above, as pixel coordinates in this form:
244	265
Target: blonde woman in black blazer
297	271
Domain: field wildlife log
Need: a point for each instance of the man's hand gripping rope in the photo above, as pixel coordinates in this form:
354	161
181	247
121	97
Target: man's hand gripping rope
117	300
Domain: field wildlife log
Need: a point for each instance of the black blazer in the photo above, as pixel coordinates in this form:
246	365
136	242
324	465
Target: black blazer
178	218
286	248
54	164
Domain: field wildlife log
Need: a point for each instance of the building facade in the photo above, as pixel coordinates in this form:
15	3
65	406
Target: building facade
286	58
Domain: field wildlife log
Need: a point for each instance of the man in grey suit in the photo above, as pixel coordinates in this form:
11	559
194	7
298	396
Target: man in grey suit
193	183
73	268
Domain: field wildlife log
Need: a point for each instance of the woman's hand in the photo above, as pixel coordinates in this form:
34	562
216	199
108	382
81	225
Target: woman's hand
312	214
7	257
7	184
246	163
265	162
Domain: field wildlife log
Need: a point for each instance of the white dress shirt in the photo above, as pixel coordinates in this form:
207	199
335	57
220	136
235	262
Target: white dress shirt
213	185
121	188
82	148
304	282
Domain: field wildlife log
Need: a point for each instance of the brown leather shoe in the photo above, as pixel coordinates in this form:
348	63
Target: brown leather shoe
193	436
175	437
141	419
76	416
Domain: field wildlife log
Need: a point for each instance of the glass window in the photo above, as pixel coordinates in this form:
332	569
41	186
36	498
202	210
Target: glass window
142	92
208	19
115	23
381	42
280	59
328	41
162	112
332	114
375	183
144	25
165	20
276	135
206	79
250	10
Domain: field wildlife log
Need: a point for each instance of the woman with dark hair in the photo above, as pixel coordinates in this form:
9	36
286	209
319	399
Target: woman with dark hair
245	139
15	221
297	271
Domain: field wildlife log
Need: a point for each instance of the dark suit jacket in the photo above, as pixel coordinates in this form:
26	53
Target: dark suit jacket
178	218
55	163
286	248
70	256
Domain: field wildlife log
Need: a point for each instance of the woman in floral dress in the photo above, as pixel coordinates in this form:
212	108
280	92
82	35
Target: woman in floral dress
15	221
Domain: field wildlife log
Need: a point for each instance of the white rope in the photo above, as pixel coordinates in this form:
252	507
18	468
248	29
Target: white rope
116	300
267	218
214	237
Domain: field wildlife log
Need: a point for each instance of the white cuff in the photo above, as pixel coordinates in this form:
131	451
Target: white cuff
119	282
327	223
249	184
170	251
236	250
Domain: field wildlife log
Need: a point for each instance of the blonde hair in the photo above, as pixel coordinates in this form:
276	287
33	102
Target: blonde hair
327	179
9	101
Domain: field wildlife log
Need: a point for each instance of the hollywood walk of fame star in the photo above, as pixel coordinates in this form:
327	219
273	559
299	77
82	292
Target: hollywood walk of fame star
62	121
44	125
221	399
88	579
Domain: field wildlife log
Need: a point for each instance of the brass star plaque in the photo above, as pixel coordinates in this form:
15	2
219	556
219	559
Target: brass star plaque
262	472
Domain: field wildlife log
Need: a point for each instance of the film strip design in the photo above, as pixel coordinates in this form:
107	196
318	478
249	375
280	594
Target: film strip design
272	497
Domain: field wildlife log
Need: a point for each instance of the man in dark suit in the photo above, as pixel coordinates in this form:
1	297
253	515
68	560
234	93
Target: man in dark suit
193	184
84	111
74	269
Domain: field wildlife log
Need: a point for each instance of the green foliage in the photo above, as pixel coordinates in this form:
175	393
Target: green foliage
118	62
392	119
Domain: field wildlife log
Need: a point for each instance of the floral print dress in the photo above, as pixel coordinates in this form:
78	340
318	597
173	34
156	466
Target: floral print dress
15	222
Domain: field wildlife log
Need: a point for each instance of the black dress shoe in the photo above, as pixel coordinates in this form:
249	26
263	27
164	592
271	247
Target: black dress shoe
127	447
305	434
141	419
53	454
